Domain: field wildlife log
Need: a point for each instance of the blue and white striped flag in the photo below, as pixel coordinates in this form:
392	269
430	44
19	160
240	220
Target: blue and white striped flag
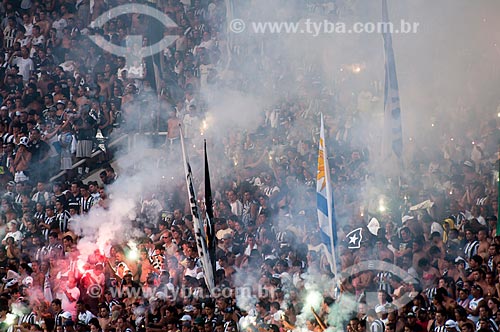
393	132
325	203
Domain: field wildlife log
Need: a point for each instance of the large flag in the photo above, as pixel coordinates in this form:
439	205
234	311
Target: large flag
325	203
393	133
199	232
210	225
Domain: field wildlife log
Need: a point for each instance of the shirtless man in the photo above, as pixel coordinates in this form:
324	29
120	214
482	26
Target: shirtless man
43	22
173	131
105	93
418	252
57	94
82	98
484	244
382	251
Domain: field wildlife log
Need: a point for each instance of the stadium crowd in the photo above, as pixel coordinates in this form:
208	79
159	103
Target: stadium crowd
63	97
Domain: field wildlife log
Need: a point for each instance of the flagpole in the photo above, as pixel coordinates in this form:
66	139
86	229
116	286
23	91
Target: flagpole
320	322
199	233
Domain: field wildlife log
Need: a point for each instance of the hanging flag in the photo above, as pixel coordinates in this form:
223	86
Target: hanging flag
373	226
199	232
325	203
393	133
210	225
354	238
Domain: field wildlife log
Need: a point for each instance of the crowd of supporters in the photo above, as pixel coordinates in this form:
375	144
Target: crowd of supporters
63	97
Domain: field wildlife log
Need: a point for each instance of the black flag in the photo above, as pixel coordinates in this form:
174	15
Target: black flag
210	225
199	232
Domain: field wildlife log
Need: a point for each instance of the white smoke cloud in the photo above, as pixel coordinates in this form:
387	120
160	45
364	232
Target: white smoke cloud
138	172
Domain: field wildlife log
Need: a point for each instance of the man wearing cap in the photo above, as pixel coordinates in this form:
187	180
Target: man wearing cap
451	326
185	318
229	318
191	269
219	325
199	323
411	320
422	318
475	303
381	311
59	108
69	325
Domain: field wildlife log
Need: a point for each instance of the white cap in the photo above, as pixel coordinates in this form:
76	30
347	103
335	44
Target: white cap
451	323
161	296
28	281
380	309
186	318
66	315
406	218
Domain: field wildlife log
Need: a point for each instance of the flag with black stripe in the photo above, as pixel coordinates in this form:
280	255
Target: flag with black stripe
210	225
199	232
